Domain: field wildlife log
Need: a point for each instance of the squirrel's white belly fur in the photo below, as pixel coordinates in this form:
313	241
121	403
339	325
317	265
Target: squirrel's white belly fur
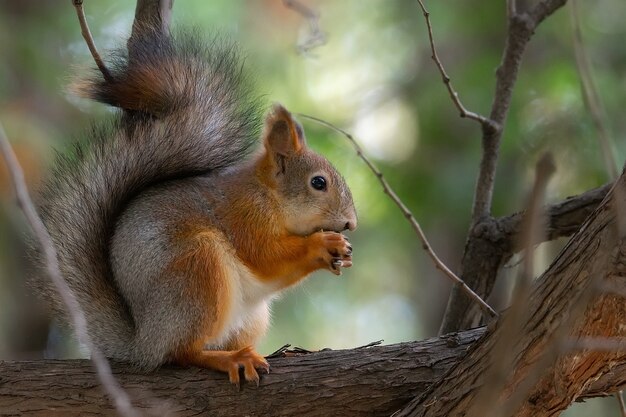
250	303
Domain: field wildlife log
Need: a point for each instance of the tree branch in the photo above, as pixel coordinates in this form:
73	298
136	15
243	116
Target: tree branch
316	36
375	381
463	112
620	400
562	219
84	27
481	275
567	290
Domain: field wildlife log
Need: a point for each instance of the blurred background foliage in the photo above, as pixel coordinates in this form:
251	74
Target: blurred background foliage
373	76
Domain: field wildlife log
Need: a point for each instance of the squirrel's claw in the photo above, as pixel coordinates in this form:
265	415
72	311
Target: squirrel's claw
337	252
346	263
250	361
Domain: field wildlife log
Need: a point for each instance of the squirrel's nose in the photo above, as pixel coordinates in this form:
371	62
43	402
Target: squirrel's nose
350	225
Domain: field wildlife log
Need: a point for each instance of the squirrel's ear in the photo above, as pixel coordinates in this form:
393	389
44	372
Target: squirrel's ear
284	135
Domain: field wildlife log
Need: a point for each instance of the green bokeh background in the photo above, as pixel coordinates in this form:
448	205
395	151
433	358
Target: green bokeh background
373	77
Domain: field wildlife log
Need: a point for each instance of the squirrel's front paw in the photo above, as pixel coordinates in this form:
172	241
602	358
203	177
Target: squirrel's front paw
336	251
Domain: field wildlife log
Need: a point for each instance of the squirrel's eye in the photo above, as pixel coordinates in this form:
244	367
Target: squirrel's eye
319	183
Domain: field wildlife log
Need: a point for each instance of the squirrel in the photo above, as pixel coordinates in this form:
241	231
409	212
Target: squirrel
172	231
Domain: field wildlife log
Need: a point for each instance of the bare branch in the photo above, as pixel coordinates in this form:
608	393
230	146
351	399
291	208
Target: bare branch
84	28
590	94
120	398
487	124
364	382
316	36
409	216
520	30
460	312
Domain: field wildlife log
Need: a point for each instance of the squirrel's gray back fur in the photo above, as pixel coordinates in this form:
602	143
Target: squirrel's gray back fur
187	110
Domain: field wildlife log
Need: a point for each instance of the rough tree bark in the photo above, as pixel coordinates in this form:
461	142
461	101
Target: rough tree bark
378	379
566	303
374	381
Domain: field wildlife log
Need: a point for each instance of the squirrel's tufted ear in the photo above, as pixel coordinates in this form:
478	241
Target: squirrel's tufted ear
283	135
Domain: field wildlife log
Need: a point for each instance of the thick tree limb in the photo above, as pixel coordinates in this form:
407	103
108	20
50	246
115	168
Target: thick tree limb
563	218
596	254
374	381
481	275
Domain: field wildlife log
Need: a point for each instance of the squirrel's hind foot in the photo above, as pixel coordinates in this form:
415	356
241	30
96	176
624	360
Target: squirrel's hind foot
231	361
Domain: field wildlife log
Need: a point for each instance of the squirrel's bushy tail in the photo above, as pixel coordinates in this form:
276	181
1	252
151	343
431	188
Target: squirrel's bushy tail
187	110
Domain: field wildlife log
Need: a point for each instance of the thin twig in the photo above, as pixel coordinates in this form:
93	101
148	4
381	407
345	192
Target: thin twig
620	398
119	396
316	37
84	29
502	362
408	215
590	94
487	124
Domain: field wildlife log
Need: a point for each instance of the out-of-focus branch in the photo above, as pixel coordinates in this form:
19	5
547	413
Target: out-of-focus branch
409	216
620	400
316	36
84	28
118	395
590	94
